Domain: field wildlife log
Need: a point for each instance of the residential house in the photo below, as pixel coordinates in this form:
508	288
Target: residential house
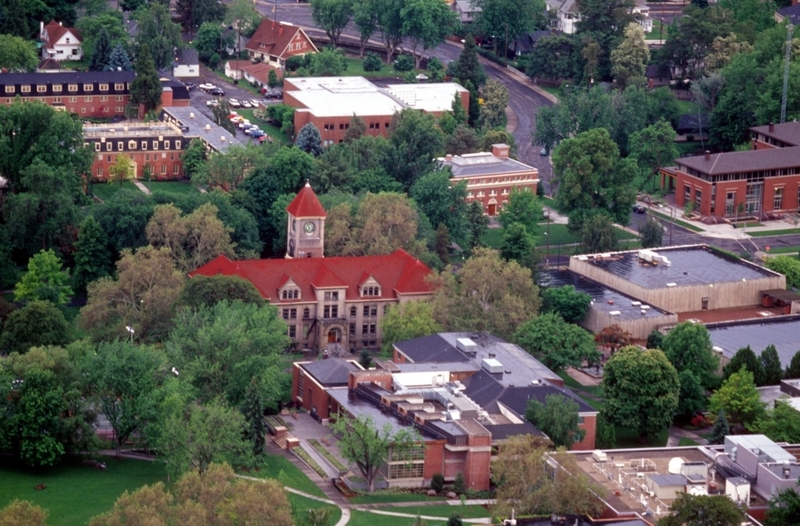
60	43
254	72
566	15
466	11
332	303
187	64
790	13
274	42
491	176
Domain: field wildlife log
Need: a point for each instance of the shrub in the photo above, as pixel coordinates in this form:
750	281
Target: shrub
372	62
437	482
404	63
434	64
295	62
409	77
458	485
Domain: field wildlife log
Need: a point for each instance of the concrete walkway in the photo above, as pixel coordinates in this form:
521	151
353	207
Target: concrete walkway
141	187
676	433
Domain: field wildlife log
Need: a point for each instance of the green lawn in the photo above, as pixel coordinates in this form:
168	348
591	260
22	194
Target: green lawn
556	92
355	68
677	221
572	383
687	442
363	518
278	467
75	492
442	510
171	187
384	496
687	106
784	250
657	33
106	190
301	504
767	233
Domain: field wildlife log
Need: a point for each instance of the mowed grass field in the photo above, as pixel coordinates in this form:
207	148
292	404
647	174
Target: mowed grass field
75	493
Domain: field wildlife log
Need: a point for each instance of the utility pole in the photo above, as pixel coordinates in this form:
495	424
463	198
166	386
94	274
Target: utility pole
787	58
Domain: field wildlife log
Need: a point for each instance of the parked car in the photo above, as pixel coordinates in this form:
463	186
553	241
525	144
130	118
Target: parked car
218	92
543	153
207	87
246	104
639	209
272	94
233	103
243	124
265	138
256	133
255	103
213	103
236	119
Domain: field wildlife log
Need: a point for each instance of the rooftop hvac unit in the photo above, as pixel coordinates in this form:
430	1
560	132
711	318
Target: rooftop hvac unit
467	345
491	365
599	456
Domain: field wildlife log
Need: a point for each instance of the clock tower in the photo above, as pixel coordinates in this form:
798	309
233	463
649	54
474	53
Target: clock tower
305	231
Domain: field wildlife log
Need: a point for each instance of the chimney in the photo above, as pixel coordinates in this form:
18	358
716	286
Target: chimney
61	23
280	29
500	150
772	124
41	29
448	157
708	155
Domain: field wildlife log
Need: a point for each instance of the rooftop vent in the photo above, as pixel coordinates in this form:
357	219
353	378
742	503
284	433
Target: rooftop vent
467	346
491	365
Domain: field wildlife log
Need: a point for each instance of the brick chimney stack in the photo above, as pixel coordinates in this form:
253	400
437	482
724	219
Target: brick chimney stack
708	155
280	29
500	150
772	124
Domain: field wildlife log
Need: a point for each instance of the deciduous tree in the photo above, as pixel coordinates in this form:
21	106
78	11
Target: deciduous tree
788	266
572	305
426	23
36	419
210	290
253	410
486	294
793	370
332	16
629	59
688	347
524	207
781	424
556	343
442	201
17	54
142	297
613	338
641	390
369	447
517	244
653	147
160	35
703	510
37	323
784	508
507	20
389	20
45	280
557	418
651	233
597	231
23	512
365	18
417	142
693	398
122	170
92	260
739	398
406	321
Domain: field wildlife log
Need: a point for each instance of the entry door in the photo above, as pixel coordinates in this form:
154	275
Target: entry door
492	210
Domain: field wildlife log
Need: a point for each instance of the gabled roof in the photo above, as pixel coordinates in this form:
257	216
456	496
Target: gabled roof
397	273
53	31
746	161
273	38
786	132
331	372
306	204
48	64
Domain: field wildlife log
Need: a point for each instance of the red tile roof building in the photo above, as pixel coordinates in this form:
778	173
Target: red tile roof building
59	42
274	42
328	302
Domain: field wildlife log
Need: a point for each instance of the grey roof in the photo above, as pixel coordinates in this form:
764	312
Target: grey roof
604	299
746	161
690	123
193	123
791	12
188	56
431	349
783	333
453	367
330	372
691	265
569	6
67	77
357	406
483	163
668	480
787	132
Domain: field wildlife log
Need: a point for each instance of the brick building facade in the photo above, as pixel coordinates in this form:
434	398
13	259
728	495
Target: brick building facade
491	177
763	182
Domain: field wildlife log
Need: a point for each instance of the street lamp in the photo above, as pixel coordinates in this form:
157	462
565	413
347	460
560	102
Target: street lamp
130	330
547	236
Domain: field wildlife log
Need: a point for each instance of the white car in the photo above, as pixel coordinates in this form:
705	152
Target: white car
213	103
255	103
206	87
233	103
244	124
246	104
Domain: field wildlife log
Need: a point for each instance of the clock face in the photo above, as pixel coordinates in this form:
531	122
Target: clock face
309	228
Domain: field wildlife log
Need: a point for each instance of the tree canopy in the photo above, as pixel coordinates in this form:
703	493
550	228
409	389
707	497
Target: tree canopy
557	418
406	321
739	398
570	304
556	343
688	347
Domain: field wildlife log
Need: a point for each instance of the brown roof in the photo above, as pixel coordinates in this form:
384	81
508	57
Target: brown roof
787	132
747	161
273	38
49	64
258	70
55	31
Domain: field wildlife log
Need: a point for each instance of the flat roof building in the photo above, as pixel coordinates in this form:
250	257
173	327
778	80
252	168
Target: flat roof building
195	125
330	103
783	333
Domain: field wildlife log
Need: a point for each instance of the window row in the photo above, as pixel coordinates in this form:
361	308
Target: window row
176	169
132	145
492	193
58	88
290	294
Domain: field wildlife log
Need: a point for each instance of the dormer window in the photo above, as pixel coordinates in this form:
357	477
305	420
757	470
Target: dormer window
370	291
332	296
290	294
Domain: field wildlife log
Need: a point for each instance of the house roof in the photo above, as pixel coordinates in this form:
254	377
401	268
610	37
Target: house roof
746	161
791	12
331	372
483	163
306	204
188	56
397	273
67	77
273	38
690	122
787	132
53	31
49	64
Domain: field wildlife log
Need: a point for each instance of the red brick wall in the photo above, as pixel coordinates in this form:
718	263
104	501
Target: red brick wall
434	459
478	463
382	378
103	161
588	442
84	105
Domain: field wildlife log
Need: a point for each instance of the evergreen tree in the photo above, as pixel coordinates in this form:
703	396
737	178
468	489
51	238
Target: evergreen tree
720	429
442	243
474	106
309	140
468	68
119	60
747	358
254	414
102	52
771	364
91	256
793	371
15	22
655	340
146	88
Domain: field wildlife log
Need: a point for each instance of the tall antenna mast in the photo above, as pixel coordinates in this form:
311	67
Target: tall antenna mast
787	58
